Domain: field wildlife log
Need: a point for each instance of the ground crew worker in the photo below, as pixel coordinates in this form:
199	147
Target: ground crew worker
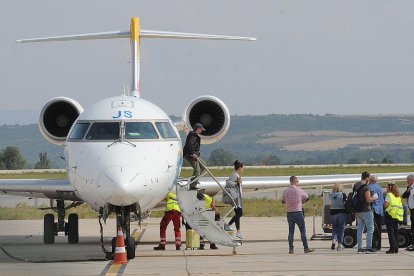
172	212
210	204
394	213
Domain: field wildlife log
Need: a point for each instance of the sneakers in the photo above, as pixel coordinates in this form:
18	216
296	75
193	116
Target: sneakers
213	246
309	250
291	251
228	227
370	251
178	248
340	247
239	236
159	247
361	251
333	246
389	252
201	247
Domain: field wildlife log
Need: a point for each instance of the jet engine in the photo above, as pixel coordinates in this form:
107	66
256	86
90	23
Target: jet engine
212	113
57	117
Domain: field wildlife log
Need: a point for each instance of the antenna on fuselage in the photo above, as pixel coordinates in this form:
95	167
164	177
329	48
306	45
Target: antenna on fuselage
135	34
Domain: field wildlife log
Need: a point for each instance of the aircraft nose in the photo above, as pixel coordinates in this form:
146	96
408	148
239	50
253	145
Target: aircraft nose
122	185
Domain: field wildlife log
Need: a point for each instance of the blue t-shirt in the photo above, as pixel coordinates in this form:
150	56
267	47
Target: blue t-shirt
377	205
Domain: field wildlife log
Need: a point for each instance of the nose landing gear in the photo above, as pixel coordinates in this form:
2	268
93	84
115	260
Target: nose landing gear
124	221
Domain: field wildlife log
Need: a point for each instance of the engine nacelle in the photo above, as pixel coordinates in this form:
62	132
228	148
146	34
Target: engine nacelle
212	113
57	117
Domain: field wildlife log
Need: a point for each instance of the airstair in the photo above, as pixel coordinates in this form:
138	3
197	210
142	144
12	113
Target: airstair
201	219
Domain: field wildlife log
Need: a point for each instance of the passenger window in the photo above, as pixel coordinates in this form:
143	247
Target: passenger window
79	131
140	130
103	131
166	130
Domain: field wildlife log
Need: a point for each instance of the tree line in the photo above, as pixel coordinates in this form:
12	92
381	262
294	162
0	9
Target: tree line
12	159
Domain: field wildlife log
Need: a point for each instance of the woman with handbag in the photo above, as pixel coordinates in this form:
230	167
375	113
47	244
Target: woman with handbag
234	188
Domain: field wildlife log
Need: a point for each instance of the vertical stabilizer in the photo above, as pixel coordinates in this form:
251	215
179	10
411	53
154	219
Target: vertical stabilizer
135	43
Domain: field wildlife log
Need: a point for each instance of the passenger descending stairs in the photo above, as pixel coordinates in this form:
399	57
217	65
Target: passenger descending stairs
202	220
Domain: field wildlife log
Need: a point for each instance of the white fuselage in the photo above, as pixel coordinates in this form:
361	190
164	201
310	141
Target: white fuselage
139	168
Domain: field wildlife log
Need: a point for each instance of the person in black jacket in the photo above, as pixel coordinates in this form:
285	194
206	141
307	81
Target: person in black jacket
191	152
409	195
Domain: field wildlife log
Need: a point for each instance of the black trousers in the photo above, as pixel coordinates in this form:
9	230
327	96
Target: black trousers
378	230
392	229
238	213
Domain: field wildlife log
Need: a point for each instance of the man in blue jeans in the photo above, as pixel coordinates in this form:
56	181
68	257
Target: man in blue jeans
378	209
365	217
293	198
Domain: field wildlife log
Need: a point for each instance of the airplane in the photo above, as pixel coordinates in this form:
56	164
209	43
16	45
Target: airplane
123	154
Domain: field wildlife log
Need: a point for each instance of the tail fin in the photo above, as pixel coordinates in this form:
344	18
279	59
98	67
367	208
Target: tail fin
135	34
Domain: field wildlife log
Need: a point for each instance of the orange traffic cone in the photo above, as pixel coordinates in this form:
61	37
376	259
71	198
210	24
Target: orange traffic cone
120	256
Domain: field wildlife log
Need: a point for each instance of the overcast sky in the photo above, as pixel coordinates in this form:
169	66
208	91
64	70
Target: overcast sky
340	57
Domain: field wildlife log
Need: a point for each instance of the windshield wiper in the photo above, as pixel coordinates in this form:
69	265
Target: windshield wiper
121	136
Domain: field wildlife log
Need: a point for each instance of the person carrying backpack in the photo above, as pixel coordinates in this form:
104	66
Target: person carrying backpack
364	214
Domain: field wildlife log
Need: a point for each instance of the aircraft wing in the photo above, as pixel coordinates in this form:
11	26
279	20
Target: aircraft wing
266	182
41	188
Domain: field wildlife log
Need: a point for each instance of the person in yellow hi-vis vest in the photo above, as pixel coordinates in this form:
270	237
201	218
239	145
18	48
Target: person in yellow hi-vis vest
394	213
172	212
210	204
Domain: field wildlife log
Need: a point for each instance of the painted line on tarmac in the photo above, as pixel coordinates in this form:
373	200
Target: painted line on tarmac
137	234
112	269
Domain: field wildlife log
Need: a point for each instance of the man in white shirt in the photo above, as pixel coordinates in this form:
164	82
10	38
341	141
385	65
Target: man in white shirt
409	195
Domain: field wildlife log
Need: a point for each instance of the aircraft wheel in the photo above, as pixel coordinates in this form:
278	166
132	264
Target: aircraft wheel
49	229
350	238
113	247
403	238
73	228
130	247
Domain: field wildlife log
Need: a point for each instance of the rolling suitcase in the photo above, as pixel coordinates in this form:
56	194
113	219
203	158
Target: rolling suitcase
192	239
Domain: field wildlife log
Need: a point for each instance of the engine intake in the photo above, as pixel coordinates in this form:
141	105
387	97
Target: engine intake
212	113
57	117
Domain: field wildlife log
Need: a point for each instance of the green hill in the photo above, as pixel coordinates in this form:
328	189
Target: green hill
296	138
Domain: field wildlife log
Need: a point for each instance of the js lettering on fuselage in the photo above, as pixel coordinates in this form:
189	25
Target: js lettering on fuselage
124	114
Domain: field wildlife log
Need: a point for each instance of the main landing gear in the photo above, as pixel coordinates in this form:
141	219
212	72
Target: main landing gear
52	228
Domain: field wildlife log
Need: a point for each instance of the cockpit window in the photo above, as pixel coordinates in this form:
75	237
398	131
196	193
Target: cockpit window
79	131
166	130
140	130
103	131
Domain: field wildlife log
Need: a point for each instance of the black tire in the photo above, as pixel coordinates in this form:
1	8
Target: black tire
113	247
350	238
130	247
73	228
49	228
403	238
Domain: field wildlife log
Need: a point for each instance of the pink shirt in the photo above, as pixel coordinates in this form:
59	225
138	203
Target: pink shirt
293	197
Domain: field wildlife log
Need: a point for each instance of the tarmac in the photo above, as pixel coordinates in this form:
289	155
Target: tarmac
264	252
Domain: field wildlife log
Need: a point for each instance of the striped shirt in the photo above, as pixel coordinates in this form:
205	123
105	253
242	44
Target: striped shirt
293	197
